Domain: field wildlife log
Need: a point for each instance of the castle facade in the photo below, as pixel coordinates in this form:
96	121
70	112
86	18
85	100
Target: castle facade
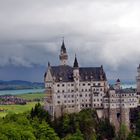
70	89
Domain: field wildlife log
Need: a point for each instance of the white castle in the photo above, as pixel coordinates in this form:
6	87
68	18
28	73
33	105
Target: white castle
70	89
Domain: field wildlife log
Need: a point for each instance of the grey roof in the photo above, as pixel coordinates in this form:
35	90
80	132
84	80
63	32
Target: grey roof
64	73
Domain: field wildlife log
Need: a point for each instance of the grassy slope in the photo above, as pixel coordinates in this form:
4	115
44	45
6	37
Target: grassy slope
21	108
32	96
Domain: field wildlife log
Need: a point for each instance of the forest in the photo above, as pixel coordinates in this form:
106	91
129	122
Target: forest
85	125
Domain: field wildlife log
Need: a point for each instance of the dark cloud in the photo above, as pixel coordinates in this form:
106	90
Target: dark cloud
99	32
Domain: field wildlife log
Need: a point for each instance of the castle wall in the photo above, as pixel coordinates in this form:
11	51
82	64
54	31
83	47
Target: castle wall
125	117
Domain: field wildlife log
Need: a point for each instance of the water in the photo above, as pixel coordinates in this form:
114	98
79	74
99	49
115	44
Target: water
25	91
17	92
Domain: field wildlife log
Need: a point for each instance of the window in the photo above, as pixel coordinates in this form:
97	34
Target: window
63	91
63	85
99	84
58	102
88	84
71	84
96	94
58	91
58	85
83	84
58	96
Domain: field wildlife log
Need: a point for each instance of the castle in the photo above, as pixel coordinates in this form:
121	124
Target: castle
70	89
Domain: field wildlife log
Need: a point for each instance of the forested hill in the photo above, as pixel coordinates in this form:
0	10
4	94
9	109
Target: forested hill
85	125
18	84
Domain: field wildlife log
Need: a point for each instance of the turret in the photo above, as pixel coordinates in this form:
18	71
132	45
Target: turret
76	74
63	54
76	69
118	84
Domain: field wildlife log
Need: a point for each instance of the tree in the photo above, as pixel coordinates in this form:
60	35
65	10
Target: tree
105	130
123	132
76	136
132	137
44	132
39	112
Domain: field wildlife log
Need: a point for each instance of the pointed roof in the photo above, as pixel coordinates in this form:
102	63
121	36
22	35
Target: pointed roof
118	81
63	48
49	64
75	65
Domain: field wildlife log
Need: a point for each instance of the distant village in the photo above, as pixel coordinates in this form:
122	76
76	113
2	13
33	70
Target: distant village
11	100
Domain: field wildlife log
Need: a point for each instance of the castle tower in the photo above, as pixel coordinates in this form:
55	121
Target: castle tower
63	54
138	80
76	77
49	91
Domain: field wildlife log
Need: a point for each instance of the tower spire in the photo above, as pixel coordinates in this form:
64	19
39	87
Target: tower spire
63	54
63	48
75	65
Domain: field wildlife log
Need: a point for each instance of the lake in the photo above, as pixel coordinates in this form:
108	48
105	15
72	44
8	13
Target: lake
24	91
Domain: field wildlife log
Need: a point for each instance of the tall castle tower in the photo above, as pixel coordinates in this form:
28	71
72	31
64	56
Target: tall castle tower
138	80
76	77
63	54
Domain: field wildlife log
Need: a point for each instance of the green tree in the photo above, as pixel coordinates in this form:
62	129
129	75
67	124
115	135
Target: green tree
39	112
44	132
76	136
131	136
105	130
123	132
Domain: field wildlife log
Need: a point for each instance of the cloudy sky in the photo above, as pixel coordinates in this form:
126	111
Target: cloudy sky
99	31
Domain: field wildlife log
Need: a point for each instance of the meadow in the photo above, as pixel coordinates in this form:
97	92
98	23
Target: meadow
22	108
32	96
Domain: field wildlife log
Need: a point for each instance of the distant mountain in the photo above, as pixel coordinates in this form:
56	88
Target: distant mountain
19	84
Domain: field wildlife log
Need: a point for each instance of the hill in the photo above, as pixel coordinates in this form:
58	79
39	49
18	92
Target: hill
19	84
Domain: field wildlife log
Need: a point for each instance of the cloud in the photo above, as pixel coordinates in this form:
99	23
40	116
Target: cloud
99	32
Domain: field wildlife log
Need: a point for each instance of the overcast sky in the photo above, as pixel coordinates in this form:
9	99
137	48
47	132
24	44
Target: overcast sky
99	31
